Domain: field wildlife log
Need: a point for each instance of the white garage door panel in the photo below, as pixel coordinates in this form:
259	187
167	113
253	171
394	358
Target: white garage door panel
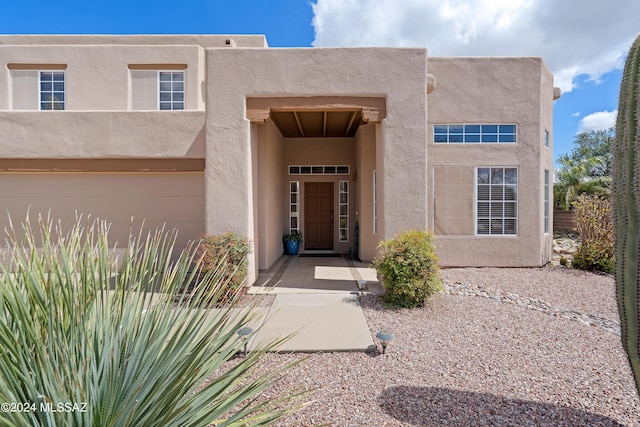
174	198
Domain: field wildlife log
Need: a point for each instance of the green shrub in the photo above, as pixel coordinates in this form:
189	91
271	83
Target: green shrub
594	255
115	338
595	226
226	253
409	267
564	261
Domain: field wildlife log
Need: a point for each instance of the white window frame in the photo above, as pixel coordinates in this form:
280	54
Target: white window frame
319	170
171	91
294	206
375	202
343	188
454	133
503	201
53	91
546	138
546	201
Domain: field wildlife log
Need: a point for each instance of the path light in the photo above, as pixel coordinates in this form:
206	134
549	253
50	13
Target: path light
362	285
385	337
244	334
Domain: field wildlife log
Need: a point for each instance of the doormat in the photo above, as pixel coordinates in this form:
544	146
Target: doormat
320	254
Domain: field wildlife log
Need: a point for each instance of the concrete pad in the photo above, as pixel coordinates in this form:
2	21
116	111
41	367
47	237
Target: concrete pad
323	322
255	318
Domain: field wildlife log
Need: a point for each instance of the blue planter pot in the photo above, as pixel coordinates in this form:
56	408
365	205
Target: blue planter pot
292	247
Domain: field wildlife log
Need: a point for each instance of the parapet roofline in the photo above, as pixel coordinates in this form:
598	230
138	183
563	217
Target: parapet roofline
203	40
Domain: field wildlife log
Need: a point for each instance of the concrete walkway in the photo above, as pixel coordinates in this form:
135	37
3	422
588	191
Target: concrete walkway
316	298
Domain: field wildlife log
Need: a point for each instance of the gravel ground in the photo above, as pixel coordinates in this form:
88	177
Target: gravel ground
471	361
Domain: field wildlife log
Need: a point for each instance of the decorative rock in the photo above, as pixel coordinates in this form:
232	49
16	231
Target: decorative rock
465	289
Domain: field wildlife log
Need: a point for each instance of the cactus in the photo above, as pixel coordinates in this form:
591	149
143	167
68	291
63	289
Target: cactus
626	198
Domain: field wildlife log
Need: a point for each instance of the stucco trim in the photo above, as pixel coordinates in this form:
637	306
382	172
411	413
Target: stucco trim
32	66
373	108
168	67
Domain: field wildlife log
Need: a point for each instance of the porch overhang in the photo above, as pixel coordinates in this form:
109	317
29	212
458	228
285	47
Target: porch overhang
301	117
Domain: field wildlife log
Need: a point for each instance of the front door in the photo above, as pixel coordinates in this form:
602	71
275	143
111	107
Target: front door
318	214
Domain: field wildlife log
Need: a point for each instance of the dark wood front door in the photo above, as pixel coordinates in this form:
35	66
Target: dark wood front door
318	215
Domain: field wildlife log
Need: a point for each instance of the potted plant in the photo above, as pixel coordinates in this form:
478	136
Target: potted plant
292	242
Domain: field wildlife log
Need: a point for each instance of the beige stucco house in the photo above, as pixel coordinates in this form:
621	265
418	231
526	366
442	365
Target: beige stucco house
210	133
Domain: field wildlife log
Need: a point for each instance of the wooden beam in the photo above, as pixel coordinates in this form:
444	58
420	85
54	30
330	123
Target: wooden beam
295	114
353	117
324	124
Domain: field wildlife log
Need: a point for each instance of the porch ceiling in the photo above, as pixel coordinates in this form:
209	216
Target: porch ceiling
317	124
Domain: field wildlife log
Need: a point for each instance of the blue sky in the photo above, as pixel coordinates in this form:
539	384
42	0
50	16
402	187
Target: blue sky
584	53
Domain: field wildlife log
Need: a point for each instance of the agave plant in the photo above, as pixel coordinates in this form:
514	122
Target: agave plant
88	338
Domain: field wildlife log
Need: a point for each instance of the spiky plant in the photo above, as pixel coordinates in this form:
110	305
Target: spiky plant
88	339
626	196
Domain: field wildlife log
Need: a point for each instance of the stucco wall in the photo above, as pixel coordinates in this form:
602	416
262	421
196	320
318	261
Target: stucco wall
97	76
494	91
102	134
366	158
271	191
234	74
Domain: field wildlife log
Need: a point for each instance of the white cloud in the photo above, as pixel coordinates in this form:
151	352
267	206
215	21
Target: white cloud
573	36
576	114
598	121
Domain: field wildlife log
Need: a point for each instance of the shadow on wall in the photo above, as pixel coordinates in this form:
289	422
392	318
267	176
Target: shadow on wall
434	406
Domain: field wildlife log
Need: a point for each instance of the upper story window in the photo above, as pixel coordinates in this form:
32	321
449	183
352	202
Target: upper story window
52	90
475	134
157	89
38	89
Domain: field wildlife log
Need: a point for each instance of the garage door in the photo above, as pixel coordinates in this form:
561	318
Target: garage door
157	198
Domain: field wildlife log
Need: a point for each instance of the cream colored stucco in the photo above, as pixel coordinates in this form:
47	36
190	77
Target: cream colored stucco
232	83
312	72
102	134
495	90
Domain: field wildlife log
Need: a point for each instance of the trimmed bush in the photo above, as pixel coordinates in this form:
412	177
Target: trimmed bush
595	226
409	267
226	253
